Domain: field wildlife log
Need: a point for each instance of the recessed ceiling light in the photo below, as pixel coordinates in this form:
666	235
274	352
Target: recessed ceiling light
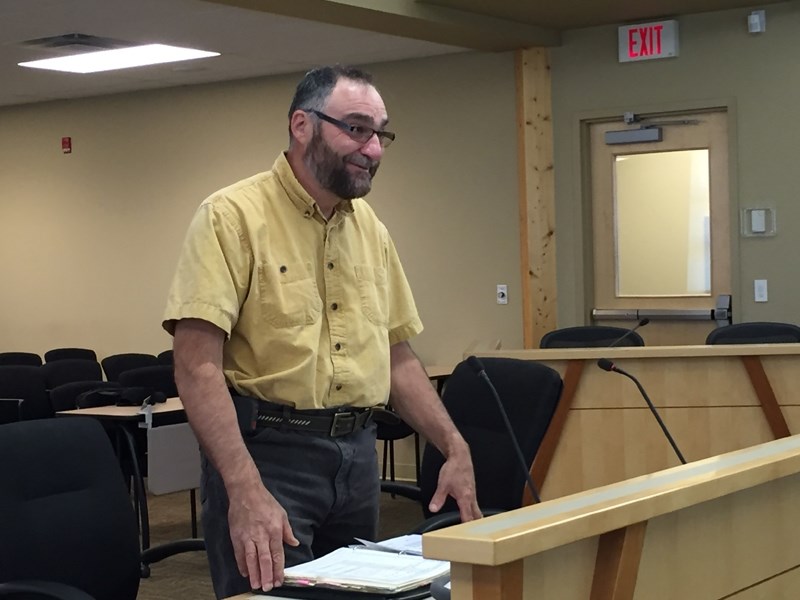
120	58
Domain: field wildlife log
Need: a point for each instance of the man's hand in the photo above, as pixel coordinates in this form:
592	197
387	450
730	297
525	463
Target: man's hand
456	479
415	400
259	527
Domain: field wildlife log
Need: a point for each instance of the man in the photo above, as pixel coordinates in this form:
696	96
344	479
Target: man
290	293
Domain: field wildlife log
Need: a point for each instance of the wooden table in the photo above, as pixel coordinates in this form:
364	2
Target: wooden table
713	399
724	527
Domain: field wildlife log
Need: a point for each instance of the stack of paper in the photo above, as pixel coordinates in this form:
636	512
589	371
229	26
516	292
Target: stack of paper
367	570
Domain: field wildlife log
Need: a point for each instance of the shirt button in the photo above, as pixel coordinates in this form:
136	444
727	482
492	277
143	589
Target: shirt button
338	386
337	346
283	269
335	306
330	265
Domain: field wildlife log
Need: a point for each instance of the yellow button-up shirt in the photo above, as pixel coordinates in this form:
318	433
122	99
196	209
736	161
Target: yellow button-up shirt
310	306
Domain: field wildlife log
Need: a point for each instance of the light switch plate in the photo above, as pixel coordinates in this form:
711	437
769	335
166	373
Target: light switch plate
760	290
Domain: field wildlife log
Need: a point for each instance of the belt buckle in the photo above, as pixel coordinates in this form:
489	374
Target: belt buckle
342	424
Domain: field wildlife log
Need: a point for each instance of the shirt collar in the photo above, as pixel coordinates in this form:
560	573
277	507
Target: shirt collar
297	193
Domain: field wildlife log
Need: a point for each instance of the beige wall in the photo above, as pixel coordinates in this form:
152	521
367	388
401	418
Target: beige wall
89	240
719	63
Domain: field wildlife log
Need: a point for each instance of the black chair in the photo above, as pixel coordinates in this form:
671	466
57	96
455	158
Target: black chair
27	384
759	332
115	364
69	353
63	397
590	336
166	358
20	358
68	526
70	369
529	392
390	428
159	379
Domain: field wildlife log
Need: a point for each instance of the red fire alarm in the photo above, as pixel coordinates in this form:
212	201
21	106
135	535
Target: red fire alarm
66	145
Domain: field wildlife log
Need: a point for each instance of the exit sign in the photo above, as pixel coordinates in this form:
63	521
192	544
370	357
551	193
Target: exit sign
647	41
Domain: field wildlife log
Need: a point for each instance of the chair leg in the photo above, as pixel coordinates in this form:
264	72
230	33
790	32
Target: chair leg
391	459
416	454
193	504
385	458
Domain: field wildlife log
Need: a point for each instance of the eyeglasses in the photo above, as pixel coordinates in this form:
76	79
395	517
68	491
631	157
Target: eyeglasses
359	133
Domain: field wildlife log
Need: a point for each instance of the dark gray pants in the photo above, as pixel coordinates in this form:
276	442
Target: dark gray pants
328	486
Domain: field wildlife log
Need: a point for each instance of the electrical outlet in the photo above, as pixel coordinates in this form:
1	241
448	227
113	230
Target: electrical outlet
502	293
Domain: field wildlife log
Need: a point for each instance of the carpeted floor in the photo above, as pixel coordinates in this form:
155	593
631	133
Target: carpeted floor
185	576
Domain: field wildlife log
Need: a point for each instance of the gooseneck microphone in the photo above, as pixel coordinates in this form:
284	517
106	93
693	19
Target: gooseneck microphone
625	335
477	367
607	365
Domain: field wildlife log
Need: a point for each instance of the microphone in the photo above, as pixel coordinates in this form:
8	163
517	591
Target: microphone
477	367
624	336
607	365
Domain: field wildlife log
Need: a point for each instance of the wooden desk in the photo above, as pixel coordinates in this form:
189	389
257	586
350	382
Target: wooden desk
724	527
714	399
125	421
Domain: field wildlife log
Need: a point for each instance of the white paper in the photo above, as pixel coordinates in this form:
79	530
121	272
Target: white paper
404	544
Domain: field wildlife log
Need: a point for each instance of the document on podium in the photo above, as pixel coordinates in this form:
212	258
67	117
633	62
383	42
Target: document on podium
359	568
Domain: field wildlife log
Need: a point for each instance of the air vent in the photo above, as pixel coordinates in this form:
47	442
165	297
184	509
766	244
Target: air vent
73	43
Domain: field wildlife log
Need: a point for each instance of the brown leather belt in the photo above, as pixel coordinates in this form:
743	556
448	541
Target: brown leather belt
334	424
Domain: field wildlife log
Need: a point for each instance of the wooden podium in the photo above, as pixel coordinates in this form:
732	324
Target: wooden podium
713	399
724	527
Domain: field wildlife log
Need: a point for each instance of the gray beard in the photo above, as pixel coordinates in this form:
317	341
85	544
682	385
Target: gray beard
331	172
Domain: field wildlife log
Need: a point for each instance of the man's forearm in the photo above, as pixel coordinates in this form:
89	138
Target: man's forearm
416	401
205	397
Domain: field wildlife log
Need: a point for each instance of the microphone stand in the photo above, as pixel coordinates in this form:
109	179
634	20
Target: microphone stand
607	365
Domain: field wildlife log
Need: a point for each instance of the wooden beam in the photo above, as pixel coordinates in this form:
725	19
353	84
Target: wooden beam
552	437
503	582
617	563
763	389
536	194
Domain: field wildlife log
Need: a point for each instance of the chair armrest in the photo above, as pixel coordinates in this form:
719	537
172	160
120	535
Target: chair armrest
406	490
42	589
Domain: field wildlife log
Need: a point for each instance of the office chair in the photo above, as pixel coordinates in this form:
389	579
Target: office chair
159	378
64	397
68	370
389	428
27	384
20	358
165	358
65	353
69	529
760	332
529	392
590	336
115	364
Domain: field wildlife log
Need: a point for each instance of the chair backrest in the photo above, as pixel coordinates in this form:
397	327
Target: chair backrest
760	332
68	353
115	364
70	369
166	357
529	392
26	383
159	378
63	397
65	513
590	336
20	358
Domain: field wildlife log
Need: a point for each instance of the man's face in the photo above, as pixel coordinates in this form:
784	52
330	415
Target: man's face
340	164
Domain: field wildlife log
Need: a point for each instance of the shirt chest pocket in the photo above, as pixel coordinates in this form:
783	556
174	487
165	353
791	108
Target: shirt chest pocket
374	292
289	294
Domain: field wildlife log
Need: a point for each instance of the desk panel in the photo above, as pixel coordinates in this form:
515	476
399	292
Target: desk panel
706	396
